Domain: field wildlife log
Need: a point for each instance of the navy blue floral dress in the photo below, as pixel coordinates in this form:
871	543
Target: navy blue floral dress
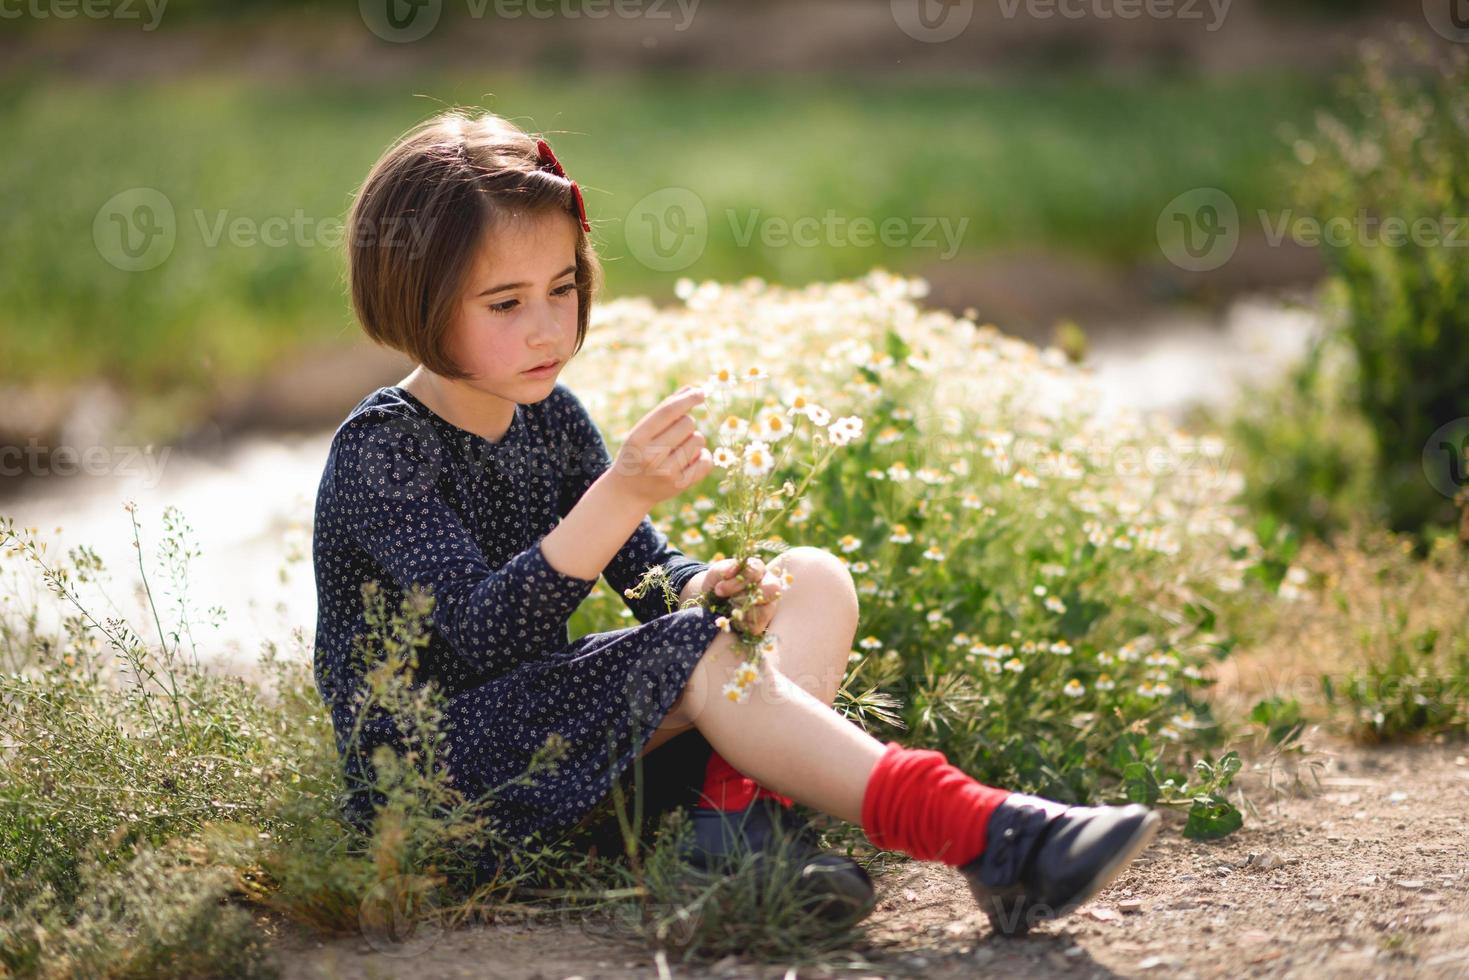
408	498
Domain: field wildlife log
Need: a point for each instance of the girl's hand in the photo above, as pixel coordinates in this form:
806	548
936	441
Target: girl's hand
724	581
664	453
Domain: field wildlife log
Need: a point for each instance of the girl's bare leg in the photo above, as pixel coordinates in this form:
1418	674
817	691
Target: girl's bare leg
814	625
784	736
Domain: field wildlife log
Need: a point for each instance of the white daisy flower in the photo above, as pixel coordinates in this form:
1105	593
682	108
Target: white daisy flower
771	426
802	405
758	460
1073	688
732	429
722	376
844	430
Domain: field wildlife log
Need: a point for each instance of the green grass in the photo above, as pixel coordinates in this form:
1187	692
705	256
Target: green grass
1063	163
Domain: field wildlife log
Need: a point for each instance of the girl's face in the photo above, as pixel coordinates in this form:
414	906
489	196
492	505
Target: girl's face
519	307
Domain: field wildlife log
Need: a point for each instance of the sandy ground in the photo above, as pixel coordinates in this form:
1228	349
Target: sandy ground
1354	866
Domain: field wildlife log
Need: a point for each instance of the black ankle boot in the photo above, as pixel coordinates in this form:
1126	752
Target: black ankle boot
841	889
1043	859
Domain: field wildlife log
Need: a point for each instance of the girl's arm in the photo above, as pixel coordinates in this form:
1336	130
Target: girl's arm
382	469
626	542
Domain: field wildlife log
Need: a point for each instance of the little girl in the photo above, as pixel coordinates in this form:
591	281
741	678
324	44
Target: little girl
482	478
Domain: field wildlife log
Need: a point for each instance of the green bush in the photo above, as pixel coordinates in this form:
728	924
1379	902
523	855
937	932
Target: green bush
1406	305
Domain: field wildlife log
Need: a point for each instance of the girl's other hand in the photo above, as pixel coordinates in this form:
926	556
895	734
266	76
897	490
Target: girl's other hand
664	453
725	582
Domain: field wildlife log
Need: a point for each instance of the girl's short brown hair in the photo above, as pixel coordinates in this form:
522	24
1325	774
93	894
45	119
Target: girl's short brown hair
422	213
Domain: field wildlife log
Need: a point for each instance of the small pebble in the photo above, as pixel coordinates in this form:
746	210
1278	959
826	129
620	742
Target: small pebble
1130	905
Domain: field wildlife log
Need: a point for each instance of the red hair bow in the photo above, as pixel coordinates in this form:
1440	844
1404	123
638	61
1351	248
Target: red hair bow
549	162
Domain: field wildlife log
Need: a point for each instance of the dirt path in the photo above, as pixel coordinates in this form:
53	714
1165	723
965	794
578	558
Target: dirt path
1363	875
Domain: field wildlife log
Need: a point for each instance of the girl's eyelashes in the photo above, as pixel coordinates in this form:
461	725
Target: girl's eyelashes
509	304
